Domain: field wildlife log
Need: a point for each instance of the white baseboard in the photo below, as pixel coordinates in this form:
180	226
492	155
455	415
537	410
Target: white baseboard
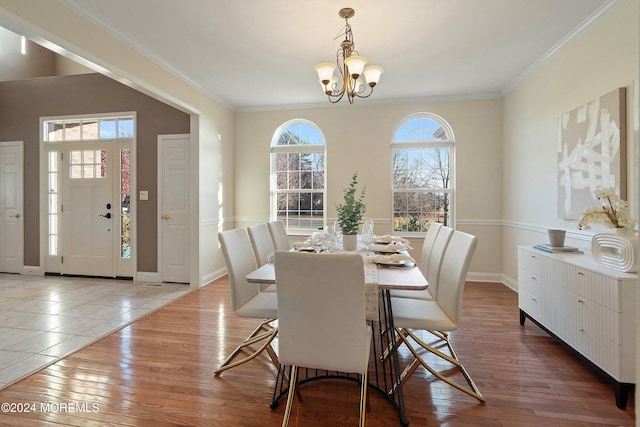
484	277
148	276
214	275
32	270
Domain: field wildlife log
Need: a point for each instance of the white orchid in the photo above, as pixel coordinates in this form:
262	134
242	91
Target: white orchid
614	212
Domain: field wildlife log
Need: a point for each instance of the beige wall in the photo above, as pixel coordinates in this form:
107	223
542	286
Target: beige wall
358	139
35	62
600	60
64	67
604	58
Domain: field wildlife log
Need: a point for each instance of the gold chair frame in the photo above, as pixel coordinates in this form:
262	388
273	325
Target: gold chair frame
264	332
404	334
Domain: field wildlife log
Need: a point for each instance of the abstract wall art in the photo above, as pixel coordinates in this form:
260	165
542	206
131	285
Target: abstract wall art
591	153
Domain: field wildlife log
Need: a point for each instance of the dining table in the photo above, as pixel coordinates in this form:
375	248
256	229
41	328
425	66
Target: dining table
385	370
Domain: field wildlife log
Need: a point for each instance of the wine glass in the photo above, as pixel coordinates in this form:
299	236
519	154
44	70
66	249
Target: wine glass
367	231
337	233
317	241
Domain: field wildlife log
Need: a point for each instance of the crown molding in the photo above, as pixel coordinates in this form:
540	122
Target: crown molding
376	102
589	22
78	7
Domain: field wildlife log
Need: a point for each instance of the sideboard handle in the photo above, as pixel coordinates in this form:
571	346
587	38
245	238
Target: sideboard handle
581	301
580	273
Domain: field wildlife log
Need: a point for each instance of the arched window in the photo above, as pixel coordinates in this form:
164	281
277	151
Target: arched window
298	175
422	154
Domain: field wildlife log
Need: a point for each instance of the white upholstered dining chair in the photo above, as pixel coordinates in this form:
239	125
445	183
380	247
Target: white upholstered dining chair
322	320
439	316
247	300
431	270
427	245
262	244
279	235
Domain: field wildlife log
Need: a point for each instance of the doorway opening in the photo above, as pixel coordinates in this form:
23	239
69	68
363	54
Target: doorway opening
87	183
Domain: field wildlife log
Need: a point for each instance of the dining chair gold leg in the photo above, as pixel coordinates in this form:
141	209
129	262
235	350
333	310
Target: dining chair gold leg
363	397
389	348
444	336
453	359
256	336
292	385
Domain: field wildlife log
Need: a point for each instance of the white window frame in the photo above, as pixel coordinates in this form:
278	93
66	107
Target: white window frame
304	149
448	142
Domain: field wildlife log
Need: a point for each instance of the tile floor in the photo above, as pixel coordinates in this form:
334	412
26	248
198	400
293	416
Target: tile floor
45	318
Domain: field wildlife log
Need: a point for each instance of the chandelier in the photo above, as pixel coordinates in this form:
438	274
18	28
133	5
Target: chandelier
351	67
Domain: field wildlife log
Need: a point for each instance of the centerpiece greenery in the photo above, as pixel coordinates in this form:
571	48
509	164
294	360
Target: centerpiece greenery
614	212
351	211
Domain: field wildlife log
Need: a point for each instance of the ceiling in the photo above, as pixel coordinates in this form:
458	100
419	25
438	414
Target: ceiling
255	54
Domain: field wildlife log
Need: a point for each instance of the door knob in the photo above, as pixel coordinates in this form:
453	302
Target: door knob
107	215
165	217
15	216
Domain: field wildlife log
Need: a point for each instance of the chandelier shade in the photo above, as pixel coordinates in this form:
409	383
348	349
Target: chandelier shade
355	65
372	74
325	72
352	68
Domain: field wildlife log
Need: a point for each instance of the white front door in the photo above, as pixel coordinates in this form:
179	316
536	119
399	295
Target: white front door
173	206
11	204
88	210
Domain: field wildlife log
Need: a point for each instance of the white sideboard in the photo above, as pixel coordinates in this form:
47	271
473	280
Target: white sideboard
588	307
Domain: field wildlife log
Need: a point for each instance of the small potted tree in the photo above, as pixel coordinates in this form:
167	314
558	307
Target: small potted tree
350	214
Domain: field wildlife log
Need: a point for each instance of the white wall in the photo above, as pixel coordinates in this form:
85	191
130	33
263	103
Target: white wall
358	139
599	61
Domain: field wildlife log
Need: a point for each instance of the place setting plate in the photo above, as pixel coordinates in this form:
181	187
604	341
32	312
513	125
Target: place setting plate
395	260
404	264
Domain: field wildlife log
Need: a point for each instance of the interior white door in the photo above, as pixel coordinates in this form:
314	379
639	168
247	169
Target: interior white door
88	211
173	201
11	204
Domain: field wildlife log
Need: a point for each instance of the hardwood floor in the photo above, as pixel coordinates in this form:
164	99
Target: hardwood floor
159	371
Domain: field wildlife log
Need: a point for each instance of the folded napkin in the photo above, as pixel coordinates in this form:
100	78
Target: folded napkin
390	239
393	258
302	246
390	247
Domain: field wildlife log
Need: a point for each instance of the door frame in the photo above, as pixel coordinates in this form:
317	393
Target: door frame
43	196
